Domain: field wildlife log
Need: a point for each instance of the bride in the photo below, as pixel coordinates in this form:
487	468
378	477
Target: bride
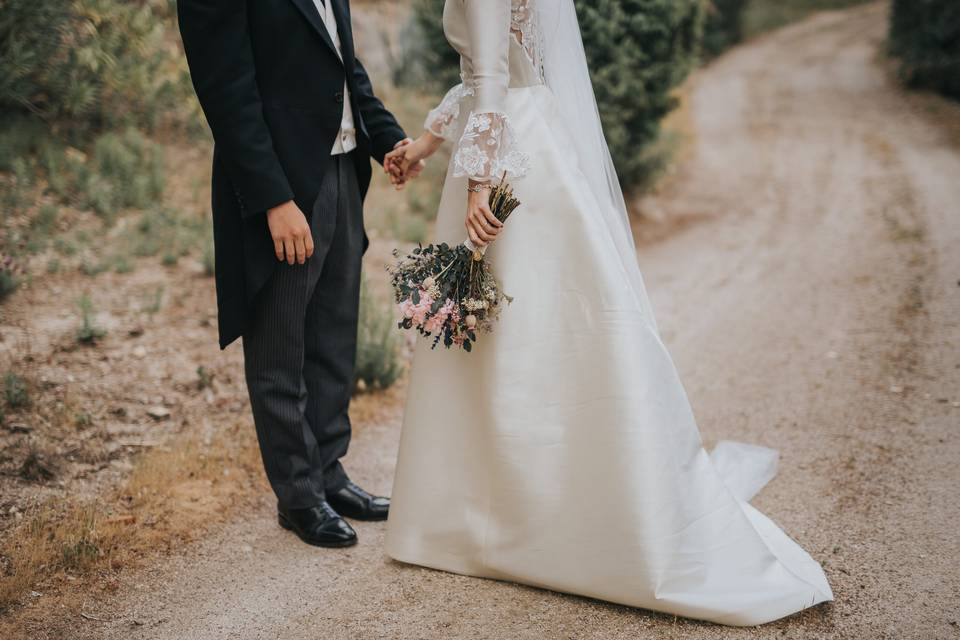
562	452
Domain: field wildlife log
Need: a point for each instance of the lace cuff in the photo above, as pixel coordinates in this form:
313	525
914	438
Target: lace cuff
488	148
442	120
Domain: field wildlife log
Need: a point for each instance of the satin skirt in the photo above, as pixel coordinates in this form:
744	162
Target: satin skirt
562	452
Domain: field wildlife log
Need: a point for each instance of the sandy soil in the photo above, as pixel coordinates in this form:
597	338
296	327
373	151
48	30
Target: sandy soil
814	307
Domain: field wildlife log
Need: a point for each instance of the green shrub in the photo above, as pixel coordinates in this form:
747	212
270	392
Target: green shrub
208	259
378	342
925	35
639	51
20	136
127	172
89	332
10	274
165	232
90	62
15	391
724	25
45	220
426	60
19	186
124	169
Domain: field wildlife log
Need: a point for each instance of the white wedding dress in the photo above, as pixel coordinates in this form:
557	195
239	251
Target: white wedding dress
562	452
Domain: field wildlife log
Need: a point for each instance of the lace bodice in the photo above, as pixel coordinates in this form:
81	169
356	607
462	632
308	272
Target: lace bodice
499	45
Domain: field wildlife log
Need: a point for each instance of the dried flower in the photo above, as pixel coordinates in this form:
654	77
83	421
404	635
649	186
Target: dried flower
446	294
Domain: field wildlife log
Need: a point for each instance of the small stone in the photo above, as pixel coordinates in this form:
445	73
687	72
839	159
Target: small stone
955	405
35	594
895	388
139	352
158	413
833	355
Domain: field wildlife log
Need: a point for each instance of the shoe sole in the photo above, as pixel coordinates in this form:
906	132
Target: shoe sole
315	543
364	518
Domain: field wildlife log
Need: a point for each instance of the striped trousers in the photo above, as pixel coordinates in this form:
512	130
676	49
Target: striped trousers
300	349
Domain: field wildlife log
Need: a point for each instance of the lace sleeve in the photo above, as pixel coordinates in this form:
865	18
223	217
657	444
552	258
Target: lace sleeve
442	120
488	146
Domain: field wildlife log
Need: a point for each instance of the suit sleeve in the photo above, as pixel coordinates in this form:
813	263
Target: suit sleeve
216	39
382	127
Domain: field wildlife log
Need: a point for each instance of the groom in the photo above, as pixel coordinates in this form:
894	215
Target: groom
295	122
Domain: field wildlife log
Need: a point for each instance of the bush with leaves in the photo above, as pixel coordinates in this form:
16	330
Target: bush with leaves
638	50
16	393
10	274
89	332
724	25
83	83
90	63
925	35
378	343
426	60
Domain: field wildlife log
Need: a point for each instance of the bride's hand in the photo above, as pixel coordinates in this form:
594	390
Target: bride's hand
482	226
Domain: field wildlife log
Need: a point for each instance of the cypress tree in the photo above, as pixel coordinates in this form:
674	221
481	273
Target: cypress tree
925	35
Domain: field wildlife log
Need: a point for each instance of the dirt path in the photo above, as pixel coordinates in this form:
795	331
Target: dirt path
815	309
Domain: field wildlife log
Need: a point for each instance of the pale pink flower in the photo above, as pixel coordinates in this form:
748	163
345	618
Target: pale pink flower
421	310
435	323
406	308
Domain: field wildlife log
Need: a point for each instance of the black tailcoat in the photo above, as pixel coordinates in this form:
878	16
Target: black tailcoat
270	83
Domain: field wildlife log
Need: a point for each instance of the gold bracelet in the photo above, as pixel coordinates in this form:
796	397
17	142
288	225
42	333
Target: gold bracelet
483	186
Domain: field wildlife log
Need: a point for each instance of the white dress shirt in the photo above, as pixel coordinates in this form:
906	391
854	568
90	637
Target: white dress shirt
346	140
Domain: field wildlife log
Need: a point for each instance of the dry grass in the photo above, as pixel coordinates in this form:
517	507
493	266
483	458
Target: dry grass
69	549
172	496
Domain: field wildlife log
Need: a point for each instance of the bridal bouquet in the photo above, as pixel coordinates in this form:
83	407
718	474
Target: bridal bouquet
450	293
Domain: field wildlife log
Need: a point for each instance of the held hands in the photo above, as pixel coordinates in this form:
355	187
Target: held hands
292	240
406	161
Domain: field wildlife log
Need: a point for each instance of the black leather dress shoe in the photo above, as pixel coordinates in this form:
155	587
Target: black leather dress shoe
354	502
319	526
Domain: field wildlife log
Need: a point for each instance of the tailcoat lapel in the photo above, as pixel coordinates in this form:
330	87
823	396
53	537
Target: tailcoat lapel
309	11
342	15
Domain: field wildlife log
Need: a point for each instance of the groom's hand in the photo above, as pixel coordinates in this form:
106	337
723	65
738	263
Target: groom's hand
292	240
